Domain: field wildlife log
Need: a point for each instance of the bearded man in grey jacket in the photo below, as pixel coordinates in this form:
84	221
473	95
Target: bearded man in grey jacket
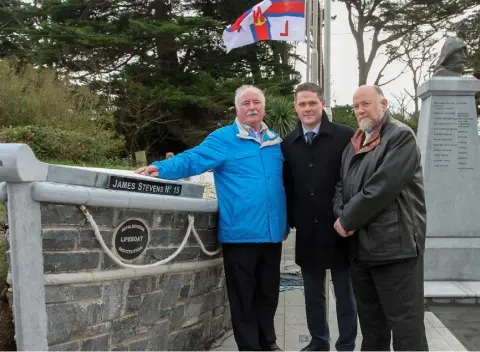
380	207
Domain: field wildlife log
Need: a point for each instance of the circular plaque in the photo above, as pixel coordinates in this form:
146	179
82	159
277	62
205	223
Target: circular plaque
131	239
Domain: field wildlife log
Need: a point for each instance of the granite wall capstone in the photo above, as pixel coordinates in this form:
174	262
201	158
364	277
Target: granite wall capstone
171	311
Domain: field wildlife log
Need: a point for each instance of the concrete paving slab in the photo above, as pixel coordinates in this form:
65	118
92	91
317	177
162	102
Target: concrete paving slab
432	333
295	298
438	345
279	322
295	315
292	330
443	289
449	338
296	337
433	320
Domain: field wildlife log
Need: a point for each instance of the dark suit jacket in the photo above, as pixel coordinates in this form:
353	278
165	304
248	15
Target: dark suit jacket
310	174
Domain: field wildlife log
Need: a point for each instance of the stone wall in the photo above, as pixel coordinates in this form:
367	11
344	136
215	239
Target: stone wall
170	311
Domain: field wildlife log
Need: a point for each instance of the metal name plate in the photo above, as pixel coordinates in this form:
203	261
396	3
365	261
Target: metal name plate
143	186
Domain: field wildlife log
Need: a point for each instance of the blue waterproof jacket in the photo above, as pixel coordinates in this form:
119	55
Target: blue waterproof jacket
248	182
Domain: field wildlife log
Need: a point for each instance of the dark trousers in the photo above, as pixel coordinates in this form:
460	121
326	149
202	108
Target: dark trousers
390	302
252	274
316	308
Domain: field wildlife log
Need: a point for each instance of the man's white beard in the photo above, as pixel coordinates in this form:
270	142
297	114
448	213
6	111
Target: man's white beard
367	124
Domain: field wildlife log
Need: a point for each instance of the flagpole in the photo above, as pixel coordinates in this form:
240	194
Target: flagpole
327	52
315	61
320	47
327	17
308	11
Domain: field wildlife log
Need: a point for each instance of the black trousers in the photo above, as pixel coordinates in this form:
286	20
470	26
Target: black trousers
316	308
252	274
389	299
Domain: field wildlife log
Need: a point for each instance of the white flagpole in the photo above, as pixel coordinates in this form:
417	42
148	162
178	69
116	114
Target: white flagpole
326	91
327	51
308	11
315	61
320	46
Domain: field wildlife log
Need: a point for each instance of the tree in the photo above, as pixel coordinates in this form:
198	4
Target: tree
399	105
389	21
160	64
418	59
15	16
344	114
468	29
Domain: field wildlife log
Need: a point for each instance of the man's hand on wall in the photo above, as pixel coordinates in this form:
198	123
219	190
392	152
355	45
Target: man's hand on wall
148	171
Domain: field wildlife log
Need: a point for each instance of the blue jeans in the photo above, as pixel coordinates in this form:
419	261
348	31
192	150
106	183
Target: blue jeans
316	310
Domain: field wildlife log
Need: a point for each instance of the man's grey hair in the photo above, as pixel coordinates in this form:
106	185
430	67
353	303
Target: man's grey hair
379	92
248	88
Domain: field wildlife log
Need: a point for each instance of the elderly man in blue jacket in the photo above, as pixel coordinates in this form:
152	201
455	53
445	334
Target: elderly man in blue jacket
247	163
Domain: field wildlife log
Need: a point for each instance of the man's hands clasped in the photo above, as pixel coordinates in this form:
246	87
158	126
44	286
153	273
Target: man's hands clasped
148	171
341	231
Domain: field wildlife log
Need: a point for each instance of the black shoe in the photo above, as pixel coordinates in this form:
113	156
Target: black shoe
271	347
315	347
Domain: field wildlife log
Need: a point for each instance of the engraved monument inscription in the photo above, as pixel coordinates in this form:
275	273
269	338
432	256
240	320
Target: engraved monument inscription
451	126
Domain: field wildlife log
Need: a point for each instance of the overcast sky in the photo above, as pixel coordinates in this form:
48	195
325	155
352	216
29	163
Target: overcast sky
344	64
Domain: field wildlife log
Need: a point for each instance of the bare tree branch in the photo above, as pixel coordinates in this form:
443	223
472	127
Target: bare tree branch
393	79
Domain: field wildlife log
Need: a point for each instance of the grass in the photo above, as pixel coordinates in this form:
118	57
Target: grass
121	166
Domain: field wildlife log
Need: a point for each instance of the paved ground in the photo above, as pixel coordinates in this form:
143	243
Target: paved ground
291	326
463	321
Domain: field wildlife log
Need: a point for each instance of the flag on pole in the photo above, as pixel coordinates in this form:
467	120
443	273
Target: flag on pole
268	20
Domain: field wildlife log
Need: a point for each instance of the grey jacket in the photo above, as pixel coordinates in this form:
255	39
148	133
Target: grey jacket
381	196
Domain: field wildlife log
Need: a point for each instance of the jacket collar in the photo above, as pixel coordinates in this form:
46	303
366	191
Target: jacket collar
358	137
325	128
268	136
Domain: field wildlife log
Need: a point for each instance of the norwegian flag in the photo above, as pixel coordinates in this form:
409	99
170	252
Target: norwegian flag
268	20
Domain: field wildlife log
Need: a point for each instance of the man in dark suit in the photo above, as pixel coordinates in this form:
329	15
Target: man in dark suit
312	157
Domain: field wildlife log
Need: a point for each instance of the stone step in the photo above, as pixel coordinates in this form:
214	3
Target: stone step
451	292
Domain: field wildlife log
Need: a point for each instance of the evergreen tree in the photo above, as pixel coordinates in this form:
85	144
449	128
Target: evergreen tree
161	64
15	19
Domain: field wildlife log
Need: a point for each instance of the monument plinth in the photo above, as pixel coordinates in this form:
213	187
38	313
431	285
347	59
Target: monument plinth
450	147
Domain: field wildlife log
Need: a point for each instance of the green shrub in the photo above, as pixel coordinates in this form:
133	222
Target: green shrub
280	116
50	143
58	120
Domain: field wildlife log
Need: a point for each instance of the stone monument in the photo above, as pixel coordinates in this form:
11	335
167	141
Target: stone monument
450	147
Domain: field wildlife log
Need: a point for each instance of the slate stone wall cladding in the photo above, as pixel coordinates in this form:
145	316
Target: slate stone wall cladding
178	311
70	245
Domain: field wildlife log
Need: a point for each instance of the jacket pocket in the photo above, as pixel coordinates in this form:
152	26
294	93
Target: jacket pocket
246	154
383	233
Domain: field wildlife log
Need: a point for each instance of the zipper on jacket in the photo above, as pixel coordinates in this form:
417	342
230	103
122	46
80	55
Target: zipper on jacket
268	204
